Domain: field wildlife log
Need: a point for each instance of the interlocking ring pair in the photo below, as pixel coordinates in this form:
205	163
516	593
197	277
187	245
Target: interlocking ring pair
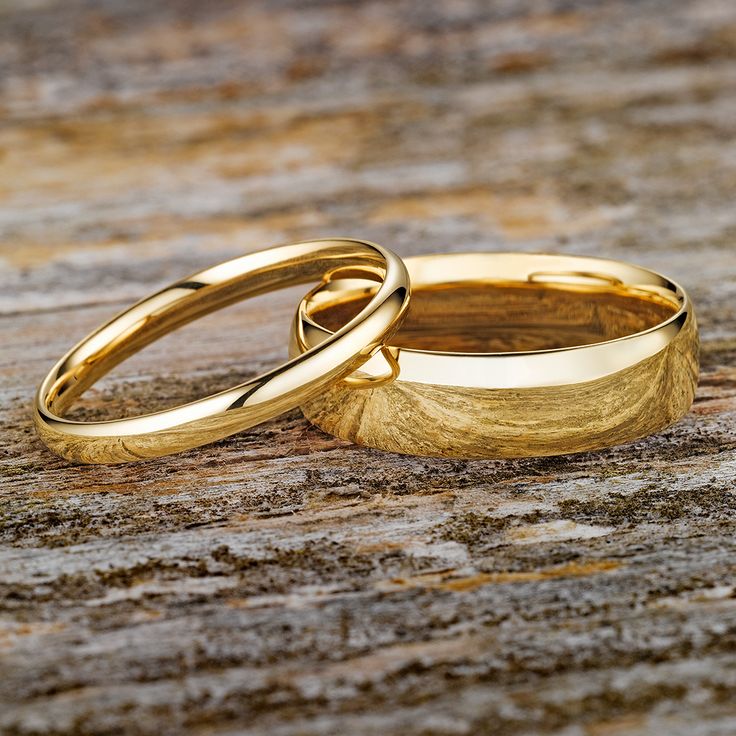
495	355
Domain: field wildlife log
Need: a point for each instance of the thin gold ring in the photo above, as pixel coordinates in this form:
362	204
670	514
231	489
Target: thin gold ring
236	409
511	355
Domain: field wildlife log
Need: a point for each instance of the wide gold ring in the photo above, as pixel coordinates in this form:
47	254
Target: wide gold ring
236	409
511	355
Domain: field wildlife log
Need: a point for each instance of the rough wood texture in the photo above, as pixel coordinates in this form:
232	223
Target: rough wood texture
284	582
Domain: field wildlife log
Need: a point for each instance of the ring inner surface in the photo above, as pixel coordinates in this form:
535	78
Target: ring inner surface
511	316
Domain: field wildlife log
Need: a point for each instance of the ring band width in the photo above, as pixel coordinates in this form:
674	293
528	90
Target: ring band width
236	409
635	376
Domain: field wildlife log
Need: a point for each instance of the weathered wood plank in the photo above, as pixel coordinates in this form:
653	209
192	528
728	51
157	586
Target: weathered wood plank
282	581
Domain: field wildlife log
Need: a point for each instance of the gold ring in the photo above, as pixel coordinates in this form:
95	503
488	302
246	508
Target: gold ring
511	355
236	409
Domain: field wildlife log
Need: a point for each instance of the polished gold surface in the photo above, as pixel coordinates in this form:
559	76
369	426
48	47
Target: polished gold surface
511	355
230	411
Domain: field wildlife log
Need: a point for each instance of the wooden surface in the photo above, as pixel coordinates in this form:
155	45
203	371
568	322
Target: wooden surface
284	582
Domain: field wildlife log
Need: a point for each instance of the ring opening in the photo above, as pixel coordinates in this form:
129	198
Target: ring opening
510	316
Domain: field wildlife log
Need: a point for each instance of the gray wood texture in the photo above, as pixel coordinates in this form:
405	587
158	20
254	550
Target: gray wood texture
285	582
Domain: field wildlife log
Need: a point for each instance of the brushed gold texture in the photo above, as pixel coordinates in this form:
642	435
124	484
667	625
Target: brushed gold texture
236	409
506	355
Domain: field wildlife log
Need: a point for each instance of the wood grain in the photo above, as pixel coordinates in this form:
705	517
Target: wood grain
282	581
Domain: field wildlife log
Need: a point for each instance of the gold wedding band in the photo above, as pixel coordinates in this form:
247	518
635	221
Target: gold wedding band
510	355
236	409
